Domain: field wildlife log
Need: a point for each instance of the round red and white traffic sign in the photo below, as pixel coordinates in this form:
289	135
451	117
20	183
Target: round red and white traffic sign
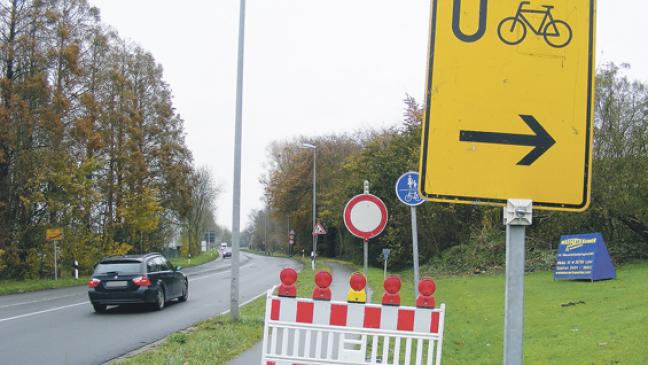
365	216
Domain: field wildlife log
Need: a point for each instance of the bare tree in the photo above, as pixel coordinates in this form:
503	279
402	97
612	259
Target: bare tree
201	214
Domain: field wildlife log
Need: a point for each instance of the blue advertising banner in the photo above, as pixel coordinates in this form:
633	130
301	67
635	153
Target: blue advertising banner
583	256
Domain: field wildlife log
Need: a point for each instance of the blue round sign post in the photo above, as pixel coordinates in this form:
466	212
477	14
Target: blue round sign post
408	193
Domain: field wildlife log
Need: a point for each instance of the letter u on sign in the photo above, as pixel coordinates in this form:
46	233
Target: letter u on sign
456	22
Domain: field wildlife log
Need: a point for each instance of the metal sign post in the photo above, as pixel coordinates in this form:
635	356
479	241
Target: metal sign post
407	192
55	261
517	215
385	253
415	256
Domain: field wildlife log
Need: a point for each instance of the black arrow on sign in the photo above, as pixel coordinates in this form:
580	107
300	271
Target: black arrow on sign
541	140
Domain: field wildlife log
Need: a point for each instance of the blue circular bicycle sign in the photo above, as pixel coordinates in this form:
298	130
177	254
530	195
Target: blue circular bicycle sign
407	189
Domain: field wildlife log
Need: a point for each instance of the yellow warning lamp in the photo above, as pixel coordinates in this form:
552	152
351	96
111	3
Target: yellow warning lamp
357	293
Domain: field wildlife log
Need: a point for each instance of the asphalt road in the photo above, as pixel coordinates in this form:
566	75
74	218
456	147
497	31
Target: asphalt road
60	327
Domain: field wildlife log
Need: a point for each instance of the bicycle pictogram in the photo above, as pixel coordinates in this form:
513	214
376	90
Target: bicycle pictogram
513	30
412	196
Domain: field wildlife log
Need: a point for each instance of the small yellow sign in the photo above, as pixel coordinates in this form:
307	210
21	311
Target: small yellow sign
54	234
509	103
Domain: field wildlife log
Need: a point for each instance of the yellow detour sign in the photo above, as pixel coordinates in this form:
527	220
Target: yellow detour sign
509	103
54	234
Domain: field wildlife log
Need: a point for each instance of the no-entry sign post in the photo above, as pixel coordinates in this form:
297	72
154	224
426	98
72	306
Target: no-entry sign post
365	216
508	118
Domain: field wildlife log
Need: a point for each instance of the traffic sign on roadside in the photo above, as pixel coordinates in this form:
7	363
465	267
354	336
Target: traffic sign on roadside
407	189
318	230
365	216
53	234
509	103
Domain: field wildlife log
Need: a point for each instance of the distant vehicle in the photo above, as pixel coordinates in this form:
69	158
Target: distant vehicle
225	251
145	279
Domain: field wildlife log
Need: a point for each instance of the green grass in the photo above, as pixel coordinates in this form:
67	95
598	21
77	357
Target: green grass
218	340
195	261
610	327
24	286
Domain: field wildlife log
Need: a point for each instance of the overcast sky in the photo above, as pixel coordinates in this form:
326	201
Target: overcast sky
311	68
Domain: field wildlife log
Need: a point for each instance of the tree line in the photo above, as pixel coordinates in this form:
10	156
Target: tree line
457	237
89	142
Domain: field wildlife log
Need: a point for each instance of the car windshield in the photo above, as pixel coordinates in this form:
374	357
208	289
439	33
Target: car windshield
122	267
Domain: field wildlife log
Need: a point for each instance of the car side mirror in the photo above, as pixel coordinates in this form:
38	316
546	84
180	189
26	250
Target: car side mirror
178	268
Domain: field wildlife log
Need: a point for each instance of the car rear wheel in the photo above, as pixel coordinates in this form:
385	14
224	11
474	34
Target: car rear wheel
99	308
185	293
159	300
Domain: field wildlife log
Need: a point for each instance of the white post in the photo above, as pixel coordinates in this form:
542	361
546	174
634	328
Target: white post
517	215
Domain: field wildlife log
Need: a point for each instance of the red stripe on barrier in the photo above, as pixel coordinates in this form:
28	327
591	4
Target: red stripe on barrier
405	320
338	315
274	312
434	326
305	312
372	317
270	363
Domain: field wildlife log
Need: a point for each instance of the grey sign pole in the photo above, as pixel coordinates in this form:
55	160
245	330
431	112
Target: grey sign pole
415	251
517	215
55	261
385	252
366	242
366	258
236	206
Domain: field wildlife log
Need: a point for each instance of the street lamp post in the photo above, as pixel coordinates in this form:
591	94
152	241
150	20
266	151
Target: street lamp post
236	201
314	148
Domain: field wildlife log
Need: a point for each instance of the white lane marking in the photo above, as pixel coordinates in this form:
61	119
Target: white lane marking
208	276
43	311
41	300
248	301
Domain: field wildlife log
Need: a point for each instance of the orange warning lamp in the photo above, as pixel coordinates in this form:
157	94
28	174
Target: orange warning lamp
288	279
322	291
357	293
426	288
392	287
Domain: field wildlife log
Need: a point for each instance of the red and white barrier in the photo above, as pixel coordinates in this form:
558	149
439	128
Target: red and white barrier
318	332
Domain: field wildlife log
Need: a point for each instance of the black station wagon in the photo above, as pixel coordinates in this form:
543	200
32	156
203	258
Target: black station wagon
147	279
